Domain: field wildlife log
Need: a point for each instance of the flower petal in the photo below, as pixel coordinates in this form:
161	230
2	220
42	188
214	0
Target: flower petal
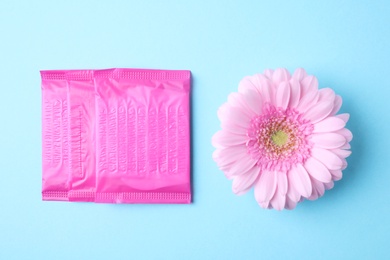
346	146
248	83
235	115
282	182
290	204
309	84
329	185
336	175
299	74
242	183
346	133
329	124
278	201
268	73
225	139
341	153
242	166
292	192
266	88
326	94
237	101
232	128
318	189
222	111
328	140
345	164
317	170
299	178
254	101
309	93
318	111
307	101
344	117
295	93
328	158
229	155
264	205
283	95
280	75
265	187
337	105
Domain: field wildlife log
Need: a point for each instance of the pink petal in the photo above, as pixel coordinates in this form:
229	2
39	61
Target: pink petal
242	166
314	195
299	74
264	205
268	73
292	193
222	111
341	153
283	95
299	178
265	187
328	158
237	101
337	105
242	183
225	139
336	175
329	185
282	182
229	155
346	146
278	201
344	117
309	93
326	94
266	88
345	164
346	133
230	127
328	140
280	75
290	204
216	154
307	101
248	83
309	84
235	115
250	102
318	111
317	170
318	189
295	93
329	124
254	101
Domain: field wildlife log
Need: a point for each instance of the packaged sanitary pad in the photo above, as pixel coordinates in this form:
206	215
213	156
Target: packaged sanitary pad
116	136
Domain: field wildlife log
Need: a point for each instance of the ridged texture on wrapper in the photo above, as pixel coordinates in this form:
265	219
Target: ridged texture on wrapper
116	136
282	135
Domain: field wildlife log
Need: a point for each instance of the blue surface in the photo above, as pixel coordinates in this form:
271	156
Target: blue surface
344	43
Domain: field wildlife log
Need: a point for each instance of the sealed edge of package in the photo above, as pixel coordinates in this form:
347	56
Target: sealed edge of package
116	136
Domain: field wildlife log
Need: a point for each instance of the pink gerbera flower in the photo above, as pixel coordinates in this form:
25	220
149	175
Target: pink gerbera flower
281	134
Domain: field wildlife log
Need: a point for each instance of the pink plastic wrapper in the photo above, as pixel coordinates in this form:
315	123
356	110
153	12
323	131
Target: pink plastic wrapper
116	136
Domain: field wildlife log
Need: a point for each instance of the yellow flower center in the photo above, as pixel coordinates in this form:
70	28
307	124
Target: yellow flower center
279	138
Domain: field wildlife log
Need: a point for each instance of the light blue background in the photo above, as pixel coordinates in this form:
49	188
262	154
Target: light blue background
344	43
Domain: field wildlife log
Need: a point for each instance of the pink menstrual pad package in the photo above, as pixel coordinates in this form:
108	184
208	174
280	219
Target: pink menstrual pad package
116	136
